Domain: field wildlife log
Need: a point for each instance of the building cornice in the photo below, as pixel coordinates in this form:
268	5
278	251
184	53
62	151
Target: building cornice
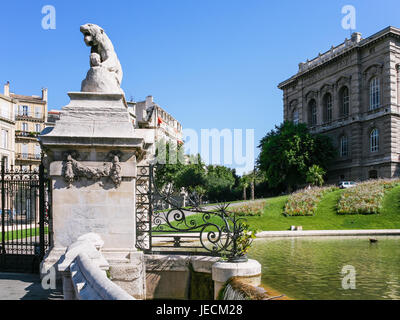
27	99
9	99
363	43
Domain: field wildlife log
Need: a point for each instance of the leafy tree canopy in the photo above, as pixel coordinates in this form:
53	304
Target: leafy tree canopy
170	162
288	151
220	181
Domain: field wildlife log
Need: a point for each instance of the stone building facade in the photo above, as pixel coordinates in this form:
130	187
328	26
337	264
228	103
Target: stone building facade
7	127
352	94
162	126
29	117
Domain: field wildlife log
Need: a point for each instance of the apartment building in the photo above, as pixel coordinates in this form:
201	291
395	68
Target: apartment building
29	115
7	127
149	115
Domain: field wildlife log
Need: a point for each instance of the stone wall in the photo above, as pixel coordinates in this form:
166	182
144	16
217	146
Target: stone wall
192	277
170	276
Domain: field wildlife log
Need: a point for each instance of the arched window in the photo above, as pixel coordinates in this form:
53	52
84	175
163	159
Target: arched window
374	94
344	101
328	107
295	116
344	146
373	174
312	106
374	140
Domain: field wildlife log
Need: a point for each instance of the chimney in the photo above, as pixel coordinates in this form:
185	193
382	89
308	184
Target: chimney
149	101
356	37
7	89
44	94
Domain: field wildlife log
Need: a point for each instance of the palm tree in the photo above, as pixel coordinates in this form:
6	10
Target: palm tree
315	175
244	183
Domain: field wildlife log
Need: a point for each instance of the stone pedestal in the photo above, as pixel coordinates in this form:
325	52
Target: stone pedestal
250	271
91	159
130	275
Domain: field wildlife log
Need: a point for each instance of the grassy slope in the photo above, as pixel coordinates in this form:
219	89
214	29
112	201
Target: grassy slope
326	217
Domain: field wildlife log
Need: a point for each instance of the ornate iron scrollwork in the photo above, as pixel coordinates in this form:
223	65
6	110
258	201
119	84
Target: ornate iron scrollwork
209	230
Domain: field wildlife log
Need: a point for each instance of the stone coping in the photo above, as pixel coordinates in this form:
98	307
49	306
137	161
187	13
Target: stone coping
121	142
95	95
86	268
175	262
305	233
91	283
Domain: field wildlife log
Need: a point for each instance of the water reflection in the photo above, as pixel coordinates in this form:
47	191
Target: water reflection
310	268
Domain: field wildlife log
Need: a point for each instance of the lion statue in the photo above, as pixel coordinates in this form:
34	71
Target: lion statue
105	73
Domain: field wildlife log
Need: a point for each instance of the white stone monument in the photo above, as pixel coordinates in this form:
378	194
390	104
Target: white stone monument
91	159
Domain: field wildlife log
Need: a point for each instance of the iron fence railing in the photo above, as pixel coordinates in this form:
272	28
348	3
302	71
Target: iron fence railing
28	156
164	225
32	115
27	134
25	218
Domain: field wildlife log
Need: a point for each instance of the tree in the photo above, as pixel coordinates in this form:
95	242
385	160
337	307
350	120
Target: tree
170	164
244	184
289	151
220	181
174	174
251	180
315	175
192	177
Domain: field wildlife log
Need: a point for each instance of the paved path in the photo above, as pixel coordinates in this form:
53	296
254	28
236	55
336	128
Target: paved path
19	286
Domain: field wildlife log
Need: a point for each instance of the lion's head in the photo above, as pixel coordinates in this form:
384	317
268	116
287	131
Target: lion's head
93	34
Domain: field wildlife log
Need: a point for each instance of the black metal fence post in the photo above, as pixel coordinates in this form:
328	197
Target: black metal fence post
151	168
41	211
3	200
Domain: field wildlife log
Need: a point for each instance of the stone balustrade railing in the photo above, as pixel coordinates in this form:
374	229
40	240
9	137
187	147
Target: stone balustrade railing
84	272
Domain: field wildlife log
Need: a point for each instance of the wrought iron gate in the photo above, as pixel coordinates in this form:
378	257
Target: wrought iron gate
165	223
25	217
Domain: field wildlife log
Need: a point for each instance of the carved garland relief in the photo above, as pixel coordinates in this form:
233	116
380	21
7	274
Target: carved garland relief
73	170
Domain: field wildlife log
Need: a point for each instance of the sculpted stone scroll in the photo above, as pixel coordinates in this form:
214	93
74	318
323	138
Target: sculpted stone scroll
74	170
105	73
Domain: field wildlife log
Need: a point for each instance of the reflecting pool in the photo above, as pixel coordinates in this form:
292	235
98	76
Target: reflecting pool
311	268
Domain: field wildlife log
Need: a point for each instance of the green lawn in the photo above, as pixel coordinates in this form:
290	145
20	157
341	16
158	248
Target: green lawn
22	234
325	218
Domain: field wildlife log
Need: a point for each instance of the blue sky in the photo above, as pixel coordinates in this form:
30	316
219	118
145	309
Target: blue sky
210	63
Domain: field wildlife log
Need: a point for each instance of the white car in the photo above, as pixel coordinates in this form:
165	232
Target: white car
347	184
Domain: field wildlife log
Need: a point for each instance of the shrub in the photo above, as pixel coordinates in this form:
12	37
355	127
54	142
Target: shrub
305	202
366	197
250	209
